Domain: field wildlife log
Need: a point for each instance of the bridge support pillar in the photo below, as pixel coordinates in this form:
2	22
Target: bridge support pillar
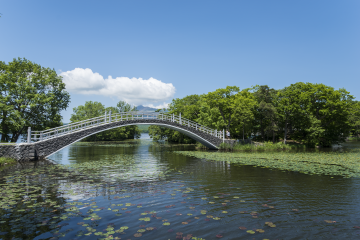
29	135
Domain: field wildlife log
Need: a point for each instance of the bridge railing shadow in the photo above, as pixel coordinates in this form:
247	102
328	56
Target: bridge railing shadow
35	136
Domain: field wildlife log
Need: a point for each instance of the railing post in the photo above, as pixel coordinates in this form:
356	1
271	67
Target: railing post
180	118
110	116
29	135
173	117
196	126
105	118
223	135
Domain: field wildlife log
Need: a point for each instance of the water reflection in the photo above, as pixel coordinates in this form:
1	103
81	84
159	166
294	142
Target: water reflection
134	191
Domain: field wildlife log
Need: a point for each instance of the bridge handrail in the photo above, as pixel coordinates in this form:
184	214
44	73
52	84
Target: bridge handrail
108	118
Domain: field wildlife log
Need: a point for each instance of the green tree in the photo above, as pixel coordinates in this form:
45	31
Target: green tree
89	110
290	112
31	96
95	109
319	114
354	118
266	113
123	106
223	99
244	106
189	107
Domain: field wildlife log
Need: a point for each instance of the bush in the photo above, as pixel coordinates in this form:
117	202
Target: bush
200	146
260	146
225	146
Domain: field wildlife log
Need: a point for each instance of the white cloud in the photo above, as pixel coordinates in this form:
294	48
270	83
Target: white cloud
164	105
131	90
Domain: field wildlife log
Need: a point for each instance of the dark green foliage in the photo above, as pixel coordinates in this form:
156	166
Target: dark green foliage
354	119
312	114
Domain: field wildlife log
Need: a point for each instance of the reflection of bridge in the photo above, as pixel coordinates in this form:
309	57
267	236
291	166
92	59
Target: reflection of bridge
45	143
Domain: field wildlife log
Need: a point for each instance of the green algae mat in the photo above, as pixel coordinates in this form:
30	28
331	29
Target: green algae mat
346	164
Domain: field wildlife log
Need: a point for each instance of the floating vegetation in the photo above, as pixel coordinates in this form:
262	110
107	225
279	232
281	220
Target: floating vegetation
97	199
257	146
344	164
5	161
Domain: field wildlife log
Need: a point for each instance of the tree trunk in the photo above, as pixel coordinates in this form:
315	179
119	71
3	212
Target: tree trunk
4	137
16	135
4	128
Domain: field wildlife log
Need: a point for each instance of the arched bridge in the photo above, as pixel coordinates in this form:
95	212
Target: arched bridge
45	143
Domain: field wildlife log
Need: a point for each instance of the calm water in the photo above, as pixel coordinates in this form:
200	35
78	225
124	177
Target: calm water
156	194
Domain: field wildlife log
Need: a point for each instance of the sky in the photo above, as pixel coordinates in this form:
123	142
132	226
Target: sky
149	52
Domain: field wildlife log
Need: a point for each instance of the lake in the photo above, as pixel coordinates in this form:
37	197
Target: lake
142	190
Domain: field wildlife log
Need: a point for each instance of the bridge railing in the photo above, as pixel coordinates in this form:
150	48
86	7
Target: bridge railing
35	136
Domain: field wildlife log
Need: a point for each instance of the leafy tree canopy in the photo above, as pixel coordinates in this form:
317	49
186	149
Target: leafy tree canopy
314	114
31	96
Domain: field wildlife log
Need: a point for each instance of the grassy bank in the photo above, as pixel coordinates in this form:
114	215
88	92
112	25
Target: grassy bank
261	146
354	138
346	164
6	161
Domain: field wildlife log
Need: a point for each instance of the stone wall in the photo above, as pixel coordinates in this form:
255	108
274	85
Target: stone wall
42	149
20	151
8	150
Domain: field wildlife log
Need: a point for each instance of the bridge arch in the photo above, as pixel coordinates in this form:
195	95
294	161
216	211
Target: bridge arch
45	143
188	133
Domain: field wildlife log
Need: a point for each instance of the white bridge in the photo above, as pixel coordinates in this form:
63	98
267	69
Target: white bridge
73	132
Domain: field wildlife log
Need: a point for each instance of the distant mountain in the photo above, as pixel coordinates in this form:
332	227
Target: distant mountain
145	109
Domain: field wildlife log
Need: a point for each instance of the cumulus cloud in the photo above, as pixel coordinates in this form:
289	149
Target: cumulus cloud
163	105
131	90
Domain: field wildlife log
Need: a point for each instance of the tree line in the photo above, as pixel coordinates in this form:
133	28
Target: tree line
312	114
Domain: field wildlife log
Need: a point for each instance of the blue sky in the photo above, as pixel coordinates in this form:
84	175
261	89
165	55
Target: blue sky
183	47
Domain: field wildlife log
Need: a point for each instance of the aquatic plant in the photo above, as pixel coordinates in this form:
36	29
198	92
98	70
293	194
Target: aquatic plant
258	146
6	160
344	164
